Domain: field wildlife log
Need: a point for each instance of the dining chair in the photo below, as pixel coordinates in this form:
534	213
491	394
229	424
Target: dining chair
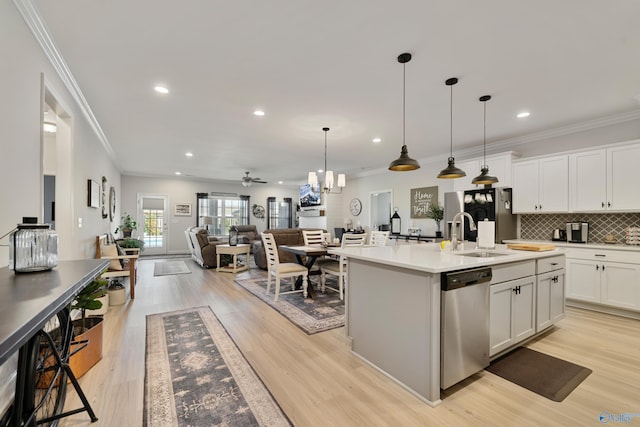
378	238
282	270
315	238
339	268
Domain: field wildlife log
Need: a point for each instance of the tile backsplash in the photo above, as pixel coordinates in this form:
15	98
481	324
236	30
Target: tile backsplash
541	226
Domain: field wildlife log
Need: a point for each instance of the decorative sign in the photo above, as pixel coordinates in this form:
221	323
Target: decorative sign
421	198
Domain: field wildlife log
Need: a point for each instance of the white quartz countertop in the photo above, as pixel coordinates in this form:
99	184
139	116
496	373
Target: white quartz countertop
603	246
430	258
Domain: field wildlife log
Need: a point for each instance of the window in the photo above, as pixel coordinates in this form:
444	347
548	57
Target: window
279	213
218	213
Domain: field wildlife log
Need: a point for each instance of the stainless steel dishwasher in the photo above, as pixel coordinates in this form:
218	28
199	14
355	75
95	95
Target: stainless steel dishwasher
464	336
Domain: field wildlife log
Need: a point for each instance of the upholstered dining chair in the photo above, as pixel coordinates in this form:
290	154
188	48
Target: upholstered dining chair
378	238
339	268
282	270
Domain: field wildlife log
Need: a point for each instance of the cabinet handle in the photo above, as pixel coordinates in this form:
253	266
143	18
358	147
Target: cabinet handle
597	267
601	255
608	204
554	263
603	204
540	207
603	267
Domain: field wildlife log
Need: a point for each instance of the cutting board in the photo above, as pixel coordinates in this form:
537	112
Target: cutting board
536	247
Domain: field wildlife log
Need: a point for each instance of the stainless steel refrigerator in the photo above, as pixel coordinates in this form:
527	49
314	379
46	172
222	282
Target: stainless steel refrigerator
493	204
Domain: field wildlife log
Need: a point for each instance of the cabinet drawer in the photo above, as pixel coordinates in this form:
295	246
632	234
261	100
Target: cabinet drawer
511	271
549	264
632	257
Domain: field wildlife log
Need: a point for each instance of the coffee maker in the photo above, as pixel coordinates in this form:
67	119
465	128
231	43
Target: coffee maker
577	232
559	235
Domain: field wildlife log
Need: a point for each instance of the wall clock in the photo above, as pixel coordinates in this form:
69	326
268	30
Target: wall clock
258	211
355	206
112	203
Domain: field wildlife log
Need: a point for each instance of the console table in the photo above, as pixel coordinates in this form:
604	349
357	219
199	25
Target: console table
27	302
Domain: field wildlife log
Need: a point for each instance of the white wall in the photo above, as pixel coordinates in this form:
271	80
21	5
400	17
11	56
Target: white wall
181	189
20	136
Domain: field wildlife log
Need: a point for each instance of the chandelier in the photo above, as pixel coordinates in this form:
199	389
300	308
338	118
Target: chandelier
328	175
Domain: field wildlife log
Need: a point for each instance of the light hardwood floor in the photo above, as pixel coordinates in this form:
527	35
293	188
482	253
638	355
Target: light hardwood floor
318	382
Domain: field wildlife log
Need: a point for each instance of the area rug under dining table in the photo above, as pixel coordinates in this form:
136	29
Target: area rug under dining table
322	313
195	375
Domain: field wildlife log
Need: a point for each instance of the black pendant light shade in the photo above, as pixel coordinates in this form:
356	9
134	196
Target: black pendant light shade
484	178
451	171
404	162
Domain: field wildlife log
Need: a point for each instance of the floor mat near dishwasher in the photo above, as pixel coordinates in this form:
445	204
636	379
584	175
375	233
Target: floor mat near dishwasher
545	375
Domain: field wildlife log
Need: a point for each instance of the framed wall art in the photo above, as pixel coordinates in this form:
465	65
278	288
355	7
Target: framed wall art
93	194
182	209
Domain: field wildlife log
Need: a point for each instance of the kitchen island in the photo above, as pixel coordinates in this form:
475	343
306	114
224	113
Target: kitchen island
393	305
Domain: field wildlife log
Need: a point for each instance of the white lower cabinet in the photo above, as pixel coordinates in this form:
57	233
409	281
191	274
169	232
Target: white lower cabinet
598	277
512	313
550	299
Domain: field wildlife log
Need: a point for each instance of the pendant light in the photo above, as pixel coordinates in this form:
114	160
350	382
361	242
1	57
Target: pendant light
328	175
451	171
404	162
484	178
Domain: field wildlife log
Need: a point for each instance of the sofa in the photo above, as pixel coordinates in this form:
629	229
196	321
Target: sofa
282	236
247	234
202	246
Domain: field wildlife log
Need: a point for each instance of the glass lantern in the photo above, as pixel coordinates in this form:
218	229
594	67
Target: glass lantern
33	247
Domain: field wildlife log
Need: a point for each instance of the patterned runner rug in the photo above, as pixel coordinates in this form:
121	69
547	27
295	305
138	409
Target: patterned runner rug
323	313
196	376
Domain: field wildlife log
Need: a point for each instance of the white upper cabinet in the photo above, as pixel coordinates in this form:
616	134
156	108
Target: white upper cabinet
622	178
499	166
541	185
604	180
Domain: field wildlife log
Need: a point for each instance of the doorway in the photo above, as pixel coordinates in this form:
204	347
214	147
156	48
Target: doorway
154	215
57	171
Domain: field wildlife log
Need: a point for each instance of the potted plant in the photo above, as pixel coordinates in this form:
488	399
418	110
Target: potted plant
127	224
87	329
436	212
130	242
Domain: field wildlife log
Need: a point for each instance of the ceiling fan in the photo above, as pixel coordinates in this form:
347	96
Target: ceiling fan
247	180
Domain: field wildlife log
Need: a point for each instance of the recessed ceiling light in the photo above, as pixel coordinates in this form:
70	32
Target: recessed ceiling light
280	182
161	89
258	113
377	140
188	154
523	114
178	173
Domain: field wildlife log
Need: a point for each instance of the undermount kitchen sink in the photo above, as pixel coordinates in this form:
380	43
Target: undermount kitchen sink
483	254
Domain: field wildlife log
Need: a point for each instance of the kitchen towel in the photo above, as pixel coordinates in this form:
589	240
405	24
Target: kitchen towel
486	234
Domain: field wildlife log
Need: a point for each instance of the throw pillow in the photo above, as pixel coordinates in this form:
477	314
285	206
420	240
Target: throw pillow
111	251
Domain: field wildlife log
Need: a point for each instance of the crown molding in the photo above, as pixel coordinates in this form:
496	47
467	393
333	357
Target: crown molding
510	144
39	30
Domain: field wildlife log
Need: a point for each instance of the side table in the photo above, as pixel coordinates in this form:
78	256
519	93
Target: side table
239	249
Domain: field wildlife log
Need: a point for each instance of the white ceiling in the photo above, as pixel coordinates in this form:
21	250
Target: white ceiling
311	64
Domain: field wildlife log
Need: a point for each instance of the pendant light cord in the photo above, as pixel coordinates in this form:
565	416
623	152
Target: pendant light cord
404	101
325	156
451	123
484	137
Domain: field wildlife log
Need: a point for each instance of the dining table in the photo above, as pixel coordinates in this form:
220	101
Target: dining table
307	255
